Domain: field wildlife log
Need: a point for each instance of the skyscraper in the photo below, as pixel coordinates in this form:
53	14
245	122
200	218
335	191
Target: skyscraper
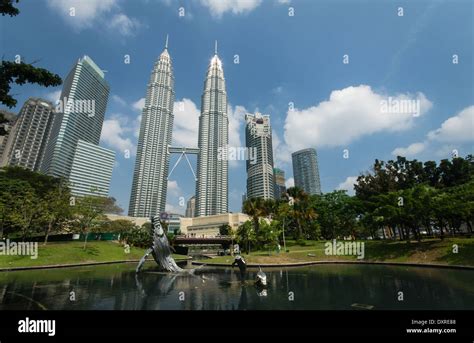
212	165
190	207
305	170
81	111
91	169
150	176
76	127
29	137
279	179
7	133
258	137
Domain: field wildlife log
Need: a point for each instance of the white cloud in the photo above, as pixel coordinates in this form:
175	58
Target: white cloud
348	185
219	7
174	192
349	114
86	14
174	209
453	131
123	24
53	96
114	135
290	182
186	123
236	118
457	129
118	100
447	151
173	188
139	104
281	154
410	151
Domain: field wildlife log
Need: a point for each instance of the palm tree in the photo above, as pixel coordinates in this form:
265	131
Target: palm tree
254	207
270	207
301	209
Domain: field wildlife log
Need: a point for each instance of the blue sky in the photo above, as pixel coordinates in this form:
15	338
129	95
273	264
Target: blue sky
282	59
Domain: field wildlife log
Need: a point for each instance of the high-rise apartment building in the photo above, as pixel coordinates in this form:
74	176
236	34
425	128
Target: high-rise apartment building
190	207
30	134
258	137
7	132
305	170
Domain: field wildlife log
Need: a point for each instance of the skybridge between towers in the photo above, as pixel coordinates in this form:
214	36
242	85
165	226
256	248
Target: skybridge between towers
184	152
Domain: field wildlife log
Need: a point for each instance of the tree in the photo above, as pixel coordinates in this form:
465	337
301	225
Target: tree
56	209
19	72
7	8
111	207
139	236
225	230
254	207
268	234
246	235
120	226
47	207
300	210
25	208
89	210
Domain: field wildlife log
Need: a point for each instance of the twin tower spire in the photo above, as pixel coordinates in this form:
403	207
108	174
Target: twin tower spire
150	178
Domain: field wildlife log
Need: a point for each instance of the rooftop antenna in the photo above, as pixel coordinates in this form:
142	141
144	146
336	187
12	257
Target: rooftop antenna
166	44
215	48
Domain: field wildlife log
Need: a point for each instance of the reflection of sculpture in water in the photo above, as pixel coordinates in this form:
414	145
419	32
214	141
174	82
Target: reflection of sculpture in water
261	279
164	285
160	249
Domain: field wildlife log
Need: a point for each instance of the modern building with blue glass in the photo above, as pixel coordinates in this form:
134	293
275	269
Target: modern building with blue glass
306	171
80	116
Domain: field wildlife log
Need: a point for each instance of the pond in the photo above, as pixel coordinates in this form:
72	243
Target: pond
319	287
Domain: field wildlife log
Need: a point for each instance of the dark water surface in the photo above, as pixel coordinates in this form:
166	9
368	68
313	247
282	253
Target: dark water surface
320	287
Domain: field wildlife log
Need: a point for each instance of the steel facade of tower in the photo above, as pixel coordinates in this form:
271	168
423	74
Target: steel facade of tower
258	137
149	185
84	89
212	166
306	171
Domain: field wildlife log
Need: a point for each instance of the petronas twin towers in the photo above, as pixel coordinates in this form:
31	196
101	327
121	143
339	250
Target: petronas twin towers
150	178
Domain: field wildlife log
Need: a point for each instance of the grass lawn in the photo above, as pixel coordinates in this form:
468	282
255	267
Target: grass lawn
433	251
72	252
